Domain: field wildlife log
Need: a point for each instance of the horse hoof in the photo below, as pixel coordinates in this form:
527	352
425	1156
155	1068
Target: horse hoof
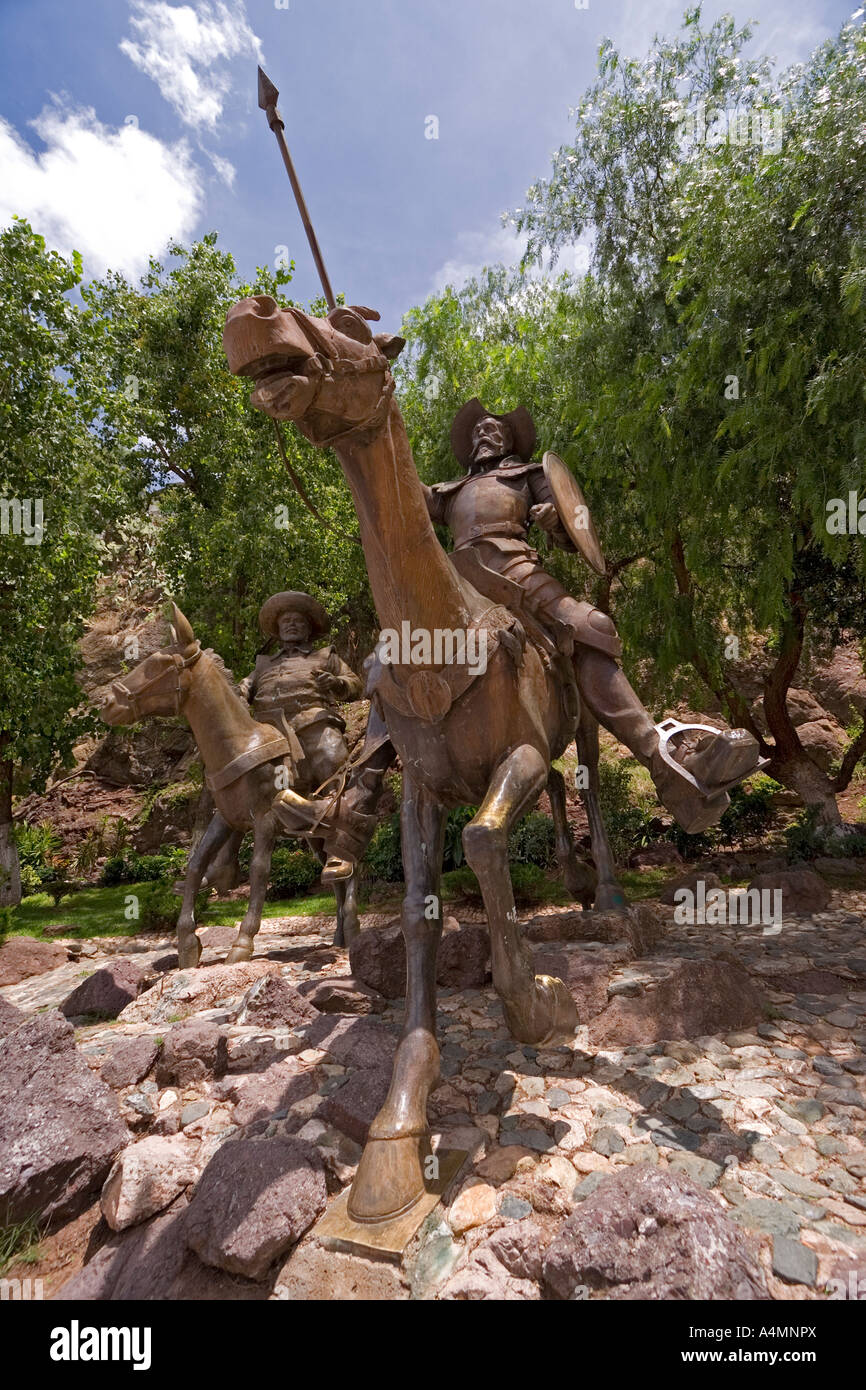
610	897
241	951
391	1177
561	1009
189	952
548	1016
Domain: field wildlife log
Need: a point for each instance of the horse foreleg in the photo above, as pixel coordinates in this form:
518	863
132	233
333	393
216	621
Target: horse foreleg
208	847
609	896
578	877
538	1008
390	1176
264	835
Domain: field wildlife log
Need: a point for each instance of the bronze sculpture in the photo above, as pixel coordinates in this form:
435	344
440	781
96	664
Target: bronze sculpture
249	766
483	738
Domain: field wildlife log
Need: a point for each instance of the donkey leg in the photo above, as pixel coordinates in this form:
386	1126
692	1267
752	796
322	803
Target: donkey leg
578	877
538	1008
390	1176
264	835
346	894
609	896
208	847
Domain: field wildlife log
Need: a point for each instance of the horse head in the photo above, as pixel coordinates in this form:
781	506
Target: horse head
159	684
330	376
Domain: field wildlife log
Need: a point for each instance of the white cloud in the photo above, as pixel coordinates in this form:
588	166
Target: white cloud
184	48
224	168
475	250
117	196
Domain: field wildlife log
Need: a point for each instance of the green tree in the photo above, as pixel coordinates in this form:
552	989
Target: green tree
57	495
231	527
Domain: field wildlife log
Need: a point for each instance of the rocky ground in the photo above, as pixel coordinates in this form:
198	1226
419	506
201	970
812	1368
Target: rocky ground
702	1136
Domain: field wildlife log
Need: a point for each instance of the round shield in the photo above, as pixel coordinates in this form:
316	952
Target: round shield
571	506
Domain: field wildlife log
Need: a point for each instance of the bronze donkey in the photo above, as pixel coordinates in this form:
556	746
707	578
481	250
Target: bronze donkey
245	769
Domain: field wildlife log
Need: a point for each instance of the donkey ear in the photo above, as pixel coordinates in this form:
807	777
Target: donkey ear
181	627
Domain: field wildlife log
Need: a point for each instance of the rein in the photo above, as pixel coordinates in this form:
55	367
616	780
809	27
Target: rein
180	664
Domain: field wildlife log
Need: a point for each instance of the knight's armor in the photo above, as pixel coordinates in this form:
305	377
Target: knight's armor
489	512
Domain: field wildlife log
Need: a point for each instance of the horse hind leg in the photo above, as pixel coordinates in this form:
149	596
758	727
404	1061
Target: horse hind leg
207	849
264	835
609	896
578	876
538	1008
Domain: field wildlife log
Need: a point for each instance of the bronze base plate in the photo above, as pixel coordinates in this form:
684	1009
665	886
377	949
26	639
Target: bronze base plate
387	1239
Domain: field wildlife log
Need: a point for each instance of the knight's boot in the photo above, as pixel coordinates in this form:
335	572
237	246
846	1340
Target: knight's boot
301	815
693	781
345	840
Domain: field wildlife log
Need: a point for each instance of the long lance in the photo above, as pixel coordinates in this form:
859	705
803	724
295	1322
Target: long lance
268	95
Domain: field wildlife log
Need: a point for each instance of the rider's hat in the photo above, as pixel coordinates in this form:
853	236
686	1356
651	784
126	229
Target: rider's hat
293	601
520	422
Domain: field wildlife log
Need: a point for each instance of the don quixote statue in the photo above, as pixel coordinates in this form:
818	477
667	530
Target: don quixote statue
483	734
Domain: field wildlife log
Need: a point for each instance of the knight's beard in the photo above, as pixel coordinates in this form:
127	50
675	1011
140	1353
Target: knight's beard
485	456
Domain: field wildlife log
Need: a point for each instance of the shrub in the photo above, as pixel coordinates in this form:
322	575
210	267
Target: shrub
806	838
159	907
144	868
529	883
627	824
750	814
37	847
293	871
383	860
533	841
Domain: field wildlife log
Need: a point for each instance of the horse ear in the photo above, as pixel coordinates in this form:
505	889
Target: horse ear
184	634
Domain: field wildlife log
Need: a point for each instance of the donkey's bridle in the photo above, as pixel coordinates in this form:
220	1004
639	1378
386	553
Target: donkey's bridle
180	664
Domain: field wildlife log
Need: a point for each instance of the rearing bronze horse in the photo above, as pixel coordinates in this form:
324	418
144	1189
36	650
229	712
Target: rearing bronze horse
245	769
486	739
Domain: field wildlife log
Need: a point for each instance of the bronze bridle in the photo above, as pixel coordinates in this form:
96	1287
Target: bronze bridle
179	663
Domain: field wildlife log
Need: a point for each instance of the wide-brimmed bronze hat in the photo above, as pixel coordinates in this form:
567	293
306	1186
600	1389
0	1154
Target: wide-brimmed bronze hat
292	601
521	423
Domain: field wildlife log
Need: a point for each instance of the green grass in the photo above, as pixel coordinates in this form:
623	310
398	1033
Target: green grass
19	1243
97	911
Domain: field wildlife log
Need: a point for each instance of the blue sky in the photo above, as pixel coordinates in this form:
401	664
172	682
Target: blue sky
126	122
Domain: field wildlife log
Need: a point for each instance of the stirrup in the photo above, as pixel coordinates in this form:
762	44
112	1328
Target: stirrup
666	731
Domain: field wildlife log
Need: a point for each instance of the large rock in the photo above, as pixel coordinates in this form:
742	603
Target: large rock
342	994
269	1094
145	1178
803	891
647	1233
273	1002
129	1062
192	1051
507	1266
690	882
106	992
354	1106
193	991
638	929
59	1125
22	957
378	957
353	1042
255	1200
694	999
463	961
152	1261
10	1017
823	740
840	684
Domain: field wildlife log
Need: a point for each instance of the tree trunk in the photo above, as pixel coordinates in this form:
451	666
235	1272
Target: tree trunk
10	873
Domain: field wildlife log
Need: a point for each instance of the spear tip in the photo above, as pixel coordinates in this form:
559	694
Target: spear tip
268	93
